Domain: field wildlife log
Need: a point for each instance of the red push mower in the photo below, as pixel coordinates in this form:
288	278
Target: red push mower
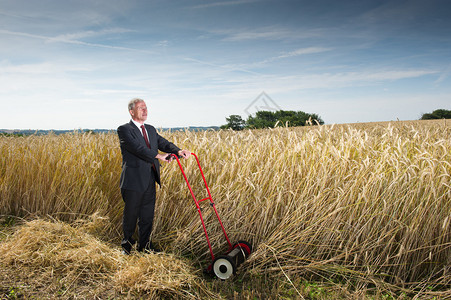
223	266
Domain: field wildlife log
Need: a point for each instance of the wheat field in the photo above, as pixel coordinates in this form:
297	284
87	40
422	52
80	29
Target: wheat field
363	206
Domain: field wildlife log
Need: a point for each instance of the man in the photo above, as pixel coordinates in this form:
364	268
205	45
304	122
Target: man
139	144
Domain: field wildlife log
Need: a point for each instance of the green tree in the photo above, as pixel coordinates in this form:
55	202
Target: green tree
265	119
234	122
437	114
262	119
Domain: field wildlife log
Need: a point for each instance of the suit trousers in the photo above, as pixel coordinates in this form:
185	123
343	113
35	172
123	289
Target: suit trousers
139	207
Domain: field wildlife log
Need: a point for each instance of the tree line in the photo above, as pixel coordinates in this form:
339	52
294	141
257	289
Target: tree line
289	118
437	114
265	119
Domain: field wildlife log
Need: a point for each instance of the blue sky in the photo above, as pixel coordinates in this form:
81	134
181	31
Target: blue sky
76	64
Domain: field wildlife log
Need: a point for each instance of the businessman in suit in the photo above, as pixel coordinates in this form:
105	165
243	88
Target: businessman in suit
139	144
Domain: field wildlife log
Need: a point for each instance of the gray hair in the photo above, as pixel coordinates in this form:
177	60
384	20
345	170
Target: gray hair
133	102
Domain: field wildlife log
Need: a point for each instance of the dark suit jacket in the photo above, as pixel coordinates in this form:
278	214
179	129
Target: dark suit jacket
137	158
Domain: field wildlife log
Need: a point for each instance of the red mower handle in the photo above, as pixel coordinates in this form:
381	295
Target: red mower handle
198	201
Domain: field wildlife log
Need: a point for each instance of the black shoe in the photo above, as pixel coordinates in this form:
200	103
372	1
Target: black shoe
127	246
148	248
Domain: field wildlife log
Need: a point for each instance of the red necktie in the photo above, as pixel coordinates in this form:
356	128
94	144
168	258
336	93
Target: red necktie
145	136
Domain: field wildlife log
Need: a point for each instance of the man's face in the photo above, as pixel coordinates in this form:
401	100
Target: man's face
139	113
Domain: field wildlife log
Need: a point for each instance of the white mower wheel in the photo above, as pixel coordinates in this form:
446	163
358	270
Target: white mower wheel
224	267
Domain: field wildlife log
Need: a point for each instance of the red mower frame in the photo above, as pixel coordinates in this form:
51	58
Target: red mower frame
225	265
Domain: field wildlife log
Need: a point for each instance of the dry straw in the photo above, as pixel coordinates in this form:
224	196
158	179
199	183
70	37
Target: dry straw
68	260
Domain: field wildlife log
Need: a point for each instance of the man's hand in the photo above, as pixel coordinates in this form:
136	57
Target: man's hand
168	157
184	153
164	157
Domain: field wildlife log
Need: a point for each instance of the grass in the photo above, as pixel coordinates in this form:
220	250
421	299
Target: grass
346	211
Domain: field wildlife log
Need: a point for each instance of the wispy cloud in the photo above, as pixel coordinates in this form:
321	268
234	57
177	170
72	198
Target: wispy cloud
443	75
256	34
88	34
24	34
298	52
5	14
301	82
163	43
303	51
268	33
229	68
285	55
73	38
394	74
346	79
37	69
225	3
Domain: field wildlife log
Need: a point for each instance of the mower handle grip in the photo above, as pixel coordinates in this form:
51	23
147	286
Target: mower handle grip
168	157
